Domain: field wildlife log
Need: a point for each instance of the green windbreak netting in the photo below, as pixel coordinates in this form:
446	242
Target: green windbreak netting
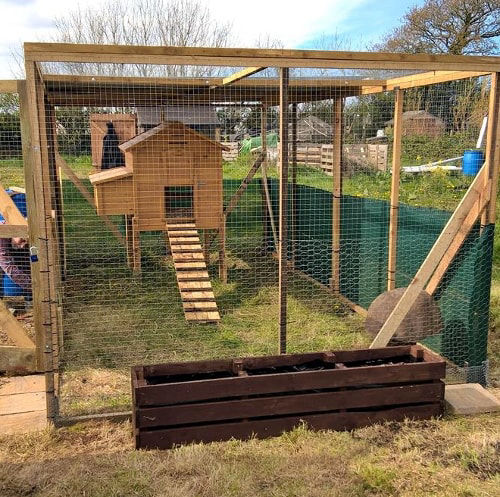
463	295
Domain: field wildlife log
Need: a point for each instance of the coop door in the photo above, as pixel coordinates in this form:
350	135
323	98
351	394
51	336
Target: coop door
179	202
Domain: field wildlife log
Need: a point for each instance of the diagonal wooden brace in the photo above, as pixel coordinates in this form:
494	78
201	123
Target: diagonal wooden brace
434	257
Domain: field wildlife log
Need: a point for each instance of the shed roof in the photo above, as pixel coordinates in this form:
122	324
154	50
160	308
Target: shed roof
416	114
186	114
167	126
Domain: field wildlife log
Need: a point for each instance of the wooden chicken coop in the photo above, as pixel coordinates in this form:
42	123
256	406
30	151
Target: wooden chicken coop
171	181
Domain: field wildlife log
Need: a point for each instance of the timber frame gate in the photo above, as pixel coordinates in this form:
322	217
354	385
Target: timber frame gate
42	173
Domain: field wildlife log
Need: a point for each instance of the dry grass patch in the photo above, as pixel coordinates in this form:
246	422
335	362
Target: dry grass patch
451	457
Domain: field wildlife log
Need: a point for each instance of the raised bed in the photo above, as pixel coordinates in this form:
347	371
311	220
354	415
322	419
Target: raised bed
206	401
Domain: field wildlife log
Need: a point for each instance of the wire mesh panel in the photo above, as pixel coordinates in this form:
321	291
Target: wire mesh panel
170	235
15	276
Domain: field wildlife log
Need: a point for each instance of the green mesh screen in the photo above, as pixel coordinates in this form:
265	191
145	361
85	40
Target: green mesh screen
463	294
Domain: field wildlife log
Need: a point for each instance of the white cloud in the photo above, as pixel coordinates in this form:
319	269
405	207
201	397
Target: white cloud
291	21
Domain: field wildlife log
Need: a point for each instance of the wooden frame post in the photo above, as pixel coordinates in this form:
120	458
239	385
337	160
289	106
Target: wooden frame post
39	218
293	183
492	155
337	118
394	206
283	208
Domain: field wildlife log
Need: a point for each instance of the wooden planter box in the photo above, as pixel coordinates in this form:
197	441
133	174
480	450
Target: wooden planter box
206	401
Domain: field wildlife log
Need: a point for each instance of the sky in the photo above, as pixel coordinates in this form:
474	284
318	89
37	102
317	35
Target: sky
297	23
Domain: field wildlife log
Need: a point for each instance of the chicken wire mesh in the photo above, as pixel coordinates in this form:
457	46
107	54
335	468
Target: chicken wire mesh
170	217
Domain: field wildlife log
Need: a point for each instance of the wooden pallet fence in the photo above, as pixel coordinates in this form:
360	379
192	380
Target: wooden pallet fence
216	400
368	155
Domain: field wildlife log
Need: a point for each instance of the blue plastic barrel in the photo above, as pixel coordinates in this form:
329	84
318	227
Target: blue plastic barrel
472	162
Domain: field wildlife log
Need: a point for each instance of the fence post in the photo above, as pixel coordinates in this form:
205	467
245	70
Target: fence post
394	208
283	209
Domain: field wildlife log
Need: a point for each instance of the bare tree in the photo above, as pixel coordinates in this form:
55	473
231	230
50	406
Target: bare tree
448	26
142	22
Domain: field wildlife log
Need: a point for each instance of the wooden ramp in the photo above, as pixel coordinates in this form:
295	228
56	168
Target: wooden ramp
22	404
196	291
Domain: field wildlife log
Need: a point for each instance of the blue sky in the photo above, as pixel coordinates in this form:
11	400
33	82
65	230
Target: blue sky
368	22
301	22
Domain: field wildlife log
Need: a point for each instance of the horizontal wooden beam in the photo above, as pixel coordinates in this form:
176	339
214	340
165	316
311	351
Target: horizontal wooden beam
241	74
423	79
57	80
13	231
431	262
250	57
8	86
17	360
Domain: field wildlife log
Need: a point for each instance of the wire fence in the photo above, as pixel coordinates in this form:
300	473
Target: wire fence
170	216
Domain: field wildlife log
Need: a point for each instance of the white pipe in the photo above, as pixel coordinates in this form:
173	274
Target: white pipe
480	139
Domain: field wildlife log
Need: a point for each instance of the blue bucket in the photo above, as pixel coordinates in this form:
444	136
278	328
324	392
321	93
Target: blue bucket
7	287
472	162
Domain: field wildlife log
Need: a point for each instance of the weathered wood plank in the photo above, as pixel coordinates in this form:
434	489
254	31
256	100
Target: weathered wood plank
165	439
22	402
22	384
289	404
24	422
175	393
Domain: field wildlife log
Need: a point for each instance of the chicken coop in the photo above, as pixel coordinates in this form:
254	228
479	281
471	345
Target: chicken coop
174	254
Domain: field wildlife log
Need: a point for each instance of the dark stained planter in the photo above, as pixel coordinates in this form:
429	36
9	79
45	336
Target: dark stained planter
206	401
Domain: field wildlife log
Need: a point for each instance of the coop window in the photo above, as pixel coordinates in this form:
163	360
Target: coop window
179	201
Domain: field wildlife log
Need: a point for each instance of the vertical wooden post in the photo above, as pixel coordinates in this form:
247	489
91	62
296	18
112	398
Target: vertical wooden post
396	168
293	182
492	152
283	208
337	191
39	217
136	245
129	240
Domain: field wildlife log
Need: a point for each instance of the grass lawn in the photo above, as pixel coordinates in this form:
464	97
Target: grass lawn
449	457
453	457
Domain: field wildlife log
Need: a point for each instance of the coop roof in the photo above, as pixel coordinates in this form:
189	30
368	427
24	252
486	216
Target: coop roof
172	126
187	114
110	175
